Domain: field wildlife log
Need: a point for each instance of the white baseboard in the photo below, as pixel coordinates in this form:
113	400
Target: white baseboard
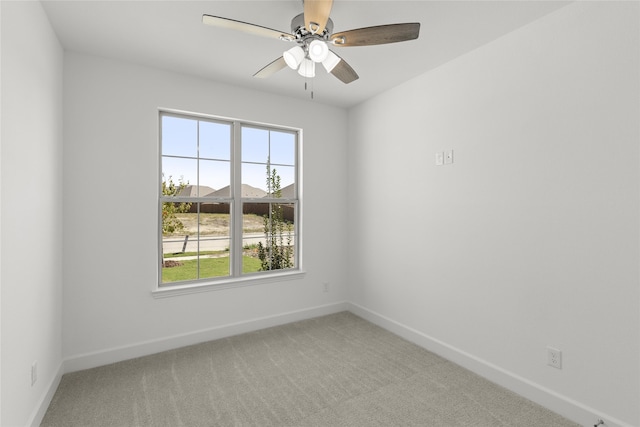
569	408
118	354
41	408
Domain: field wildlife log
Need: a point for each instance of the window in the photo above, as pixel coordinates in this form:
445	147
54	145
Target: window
228	202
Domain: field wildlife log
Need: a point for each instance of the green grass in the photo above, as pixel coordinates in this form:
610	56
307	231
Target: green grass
209	267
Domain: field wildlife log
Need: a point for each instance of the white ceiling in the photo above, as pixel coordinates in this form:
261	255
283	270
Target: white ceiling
170	35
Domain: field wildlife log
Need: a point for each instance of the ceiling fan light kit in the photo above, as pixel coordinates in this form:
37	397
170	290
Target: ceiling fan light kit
293	57
318	51
312	30
331	61
307	68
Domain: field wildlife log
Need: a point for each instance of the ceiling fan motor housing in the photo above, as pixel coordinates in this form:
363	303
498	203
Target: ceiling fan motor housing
303	34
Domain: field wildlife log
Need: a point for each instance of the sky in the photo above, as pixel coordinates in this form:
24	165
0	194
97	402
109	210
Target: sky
183	139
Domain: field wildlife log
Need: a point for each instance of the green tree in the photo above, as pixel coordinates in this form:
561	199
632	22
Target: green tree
170	222
277	252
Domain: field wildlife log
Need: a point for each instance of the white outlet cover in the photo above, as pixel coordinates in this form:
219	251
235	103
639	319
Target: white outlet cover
448	158
440	158
554	357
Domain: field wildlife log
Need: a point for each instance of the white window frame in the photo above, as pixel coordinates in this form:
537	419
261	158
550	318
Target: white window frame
236	277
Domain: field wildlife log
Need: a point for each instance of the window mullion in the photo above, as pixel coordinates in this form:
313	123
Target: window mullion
236	204
198	204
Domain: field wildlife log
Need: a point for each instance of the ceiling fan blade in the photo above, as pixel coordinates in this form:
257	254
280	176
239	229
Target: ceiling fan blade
271	69
316	14
245	27
344	72
380	34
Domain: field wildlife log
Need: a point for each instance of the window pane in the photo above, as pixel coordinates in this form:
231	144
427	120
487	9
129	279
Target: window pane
215	140
274	246
179	170
215	231
177	268
255	145
215	175
287	178
256	177
179	136
252	233
283	148
176	218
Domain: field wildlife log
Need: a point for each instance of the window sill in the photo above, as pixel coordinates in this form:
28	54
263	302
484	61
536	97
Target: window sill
192	288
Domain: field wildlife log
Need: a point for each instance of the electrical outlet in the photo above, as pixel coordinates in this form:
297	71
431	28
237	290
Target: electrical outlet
448	157
34	373
325	287
440	158
554	357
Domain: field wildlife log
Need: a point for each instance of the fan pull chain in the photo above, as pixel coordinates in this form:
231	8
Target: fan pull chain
305	87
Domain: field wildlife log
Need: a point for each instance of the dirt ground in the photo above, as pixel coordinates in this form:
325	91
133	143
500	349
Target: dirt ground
217	224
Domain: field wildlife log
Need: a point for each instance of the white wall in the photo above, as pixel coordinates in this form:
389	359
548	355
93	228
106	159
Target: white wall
110	193
31	275
531	238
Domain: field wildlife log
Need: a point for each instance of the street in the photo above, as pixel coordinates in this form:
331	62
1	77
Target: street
220	243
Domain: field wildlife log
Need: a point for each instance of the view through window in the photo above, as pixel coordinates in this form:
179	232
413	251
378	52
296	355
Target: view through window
228	199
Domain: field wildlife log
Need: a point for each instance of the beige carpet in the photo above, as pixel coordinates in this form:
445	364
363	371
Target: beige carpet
337	370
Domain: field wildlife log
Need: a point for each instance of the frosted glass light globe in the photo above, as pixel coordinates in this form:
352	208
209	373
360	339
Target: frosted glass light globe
293	57
307	68
318	51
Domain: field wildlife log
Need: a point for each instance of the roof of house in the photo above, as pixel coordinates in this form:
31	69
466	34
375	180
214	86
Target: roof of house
247	191
195	191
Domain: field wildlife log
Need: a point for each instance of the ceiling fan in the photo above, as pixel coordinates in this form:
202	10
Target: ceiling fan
312	31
